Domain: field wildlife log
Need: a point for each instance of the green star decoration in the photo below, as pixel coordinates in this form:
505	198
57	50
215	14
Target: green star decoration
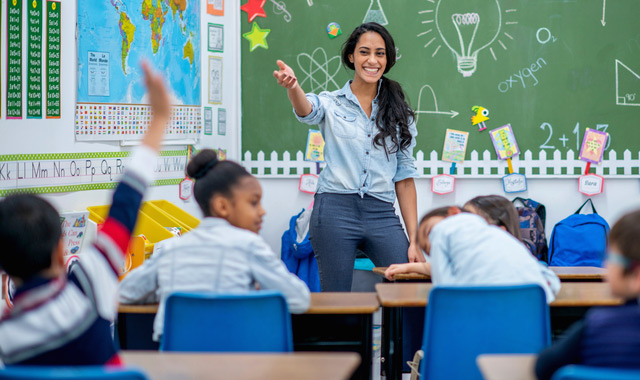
257	37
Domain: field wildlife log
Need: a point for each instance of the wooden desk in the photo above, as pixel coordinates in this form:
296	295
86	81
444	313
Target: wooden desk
334	322
395	296
565	274
507	367
171	365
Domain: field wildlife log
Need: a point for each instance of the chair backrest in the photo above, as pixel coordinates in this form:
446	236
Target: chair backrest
581	372
70	373
248	322
463	322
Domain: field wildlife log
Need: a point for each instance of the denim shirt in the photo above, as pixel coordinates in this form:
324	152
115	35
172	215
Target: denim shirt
354	165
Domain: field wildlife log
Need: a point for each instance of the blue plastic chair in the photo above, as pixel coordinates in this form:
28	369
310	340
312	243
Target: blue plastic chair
581	372
70	373
463	322
249	322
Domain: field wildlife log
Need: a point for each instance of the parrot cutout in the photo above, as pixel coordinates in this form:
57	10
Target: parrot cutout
480	117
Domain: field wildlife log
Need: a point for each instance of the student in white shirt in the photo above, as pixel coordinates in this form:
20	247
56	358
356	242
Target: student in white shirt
466	249
223	254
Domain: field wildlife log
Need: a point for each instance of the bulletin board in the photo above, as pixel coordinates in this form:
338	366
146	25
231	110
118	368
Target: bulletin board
550	69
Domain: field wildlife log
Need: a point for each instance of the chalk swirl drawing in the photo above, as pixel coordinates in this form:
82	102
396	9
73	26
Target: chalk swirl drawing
279	7
435	109
318	70
629	95
466	31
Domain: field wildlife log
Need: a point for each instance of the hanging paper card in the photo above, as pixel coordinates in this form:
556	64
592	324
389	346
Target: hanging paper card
208	121
315	147
514	183
504	141
455	146
186	189
308	183
593	145
215	7
74	226
222	154
590	184
443	184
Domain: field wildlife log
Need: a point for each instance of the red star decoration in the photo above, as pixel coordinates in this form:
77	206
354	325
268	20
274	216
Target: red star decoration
254	8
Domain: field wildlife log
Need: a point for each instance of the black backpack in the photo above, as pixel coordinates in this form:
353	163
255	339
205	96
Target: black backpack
532	220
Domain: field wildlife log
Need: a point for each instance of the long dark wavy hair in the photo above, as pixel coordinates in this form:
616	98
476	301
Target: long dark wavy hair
394	114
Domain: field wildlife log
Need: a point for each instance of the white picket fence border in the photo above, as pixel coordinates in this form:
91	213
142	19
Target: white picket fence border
285	167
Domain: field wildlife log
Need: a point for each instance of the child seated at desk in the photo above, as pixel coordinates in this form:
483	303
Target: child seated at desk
608	336
466	249
223	254
65	320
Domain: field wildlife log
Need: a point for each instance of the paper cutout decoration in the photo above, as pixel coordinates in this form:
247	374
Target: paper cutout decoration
333	30
590	184
504	141
74	227
443	184
254	8
315	147
308	183
455	146
257	37
593	145
222	154
480	117
514	183
216	7
186	189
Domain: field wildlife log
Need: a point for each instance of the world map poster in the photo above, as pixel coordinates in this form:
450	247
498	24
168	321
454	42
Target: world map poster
113	38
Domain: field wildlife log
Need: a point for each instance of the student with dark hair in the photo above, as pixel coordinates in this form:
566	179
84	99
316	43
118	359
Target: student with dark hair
497	211
608	336
468	249
223	254
369	132
60	319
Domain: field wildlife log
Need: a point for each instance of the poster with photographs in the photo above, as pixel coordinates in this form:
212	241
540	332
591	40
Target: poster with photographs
215	80
216	38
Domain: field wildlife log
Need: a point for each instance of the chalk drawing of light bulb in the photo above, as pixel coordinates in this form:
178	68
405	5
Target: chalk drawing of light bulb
467	29
375	13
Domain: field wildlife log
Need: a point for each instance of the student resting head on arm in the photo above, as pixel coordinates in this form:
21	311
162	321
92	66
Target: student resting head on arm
224	253
467	250
607	336
60	319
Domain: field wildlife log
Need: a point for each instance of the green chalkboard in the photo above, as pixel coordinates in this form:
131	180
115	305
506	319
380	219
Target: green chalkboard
549	68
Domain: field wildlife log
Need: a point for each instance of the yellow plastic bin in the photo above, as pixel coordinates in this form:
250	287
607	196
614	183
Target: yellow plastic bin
163	218
152	230
186	219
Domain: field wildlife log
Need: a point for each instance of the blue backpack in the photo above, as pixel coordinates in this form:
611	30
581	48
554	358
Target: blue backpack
579	240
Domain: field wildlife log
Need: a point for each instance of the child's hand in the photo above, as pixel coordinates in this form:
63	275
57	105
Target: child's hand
158	96
286	77
396	269
160	107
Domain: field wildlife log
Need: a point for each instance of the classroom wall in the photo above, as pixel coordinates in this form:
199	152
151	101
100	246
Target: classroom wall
57	135
282	199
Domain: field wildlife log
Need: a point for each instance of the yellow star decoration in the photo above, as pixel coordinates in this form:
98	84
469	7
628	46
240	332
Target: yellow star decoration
257	37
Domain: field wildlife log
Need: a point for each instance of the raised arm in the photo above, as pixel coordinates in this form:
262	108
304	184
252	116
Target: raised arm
287	79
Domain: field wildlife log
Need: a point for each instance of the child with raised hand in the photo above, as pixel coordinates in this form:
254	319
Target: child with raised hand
464	249
60	319
223	254
607	336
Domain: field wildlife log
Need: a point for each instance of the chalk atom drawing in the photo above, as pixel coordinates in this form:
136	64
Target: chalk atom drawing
319	72
627	86
435	109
